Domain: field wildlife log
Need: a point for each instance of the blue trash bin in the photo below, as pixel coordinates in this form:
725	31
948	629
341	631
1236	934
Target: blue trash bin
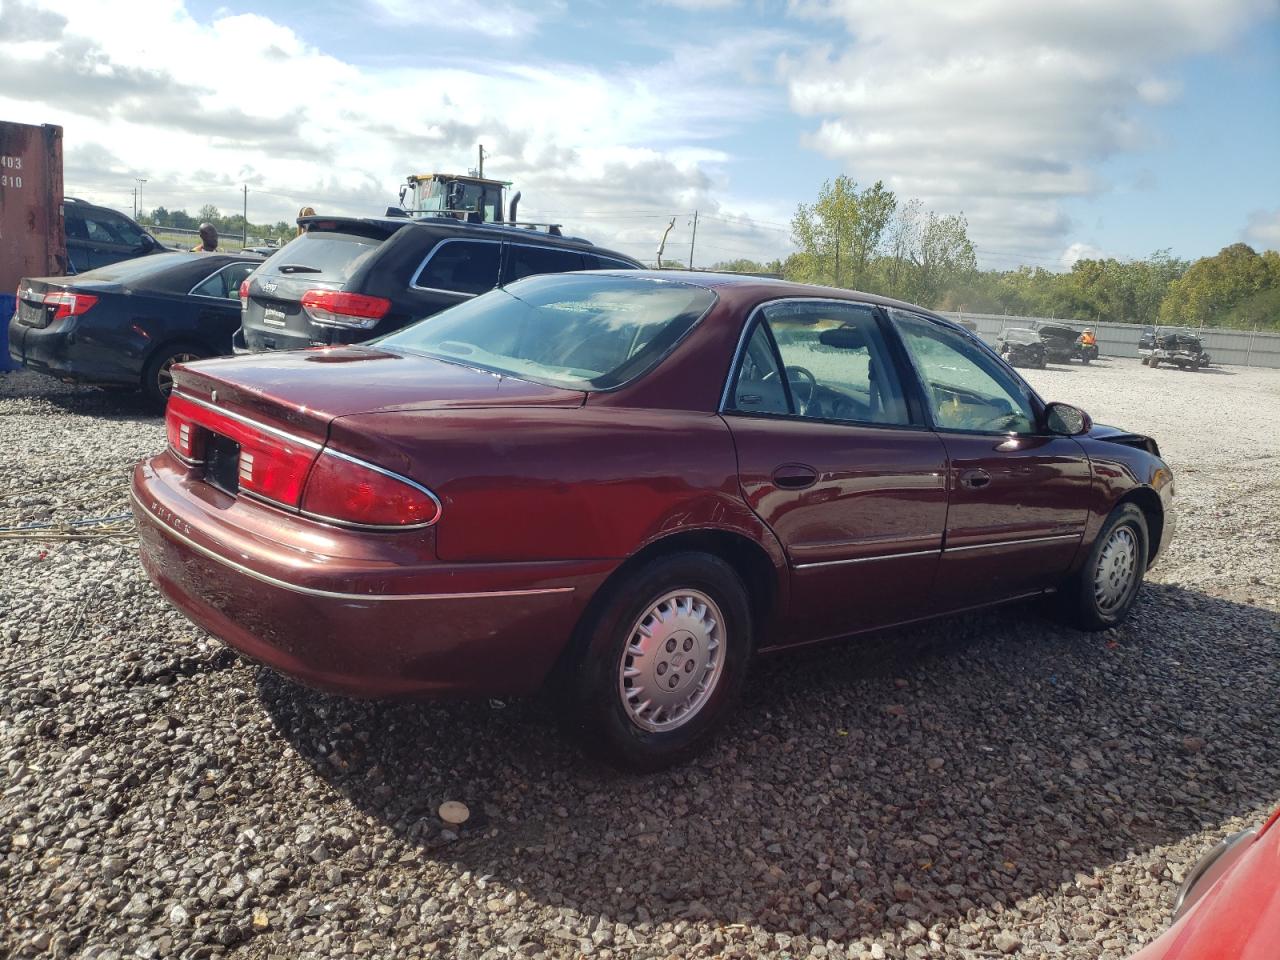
8	303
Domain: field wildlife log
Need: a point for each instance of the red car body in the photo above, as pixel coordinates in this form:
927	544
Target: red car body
546	493
1230	905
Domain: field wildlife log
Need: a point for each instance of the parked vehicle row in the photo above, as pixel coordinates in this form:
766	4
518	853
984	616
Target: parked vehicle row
343	280
1024	347
625	485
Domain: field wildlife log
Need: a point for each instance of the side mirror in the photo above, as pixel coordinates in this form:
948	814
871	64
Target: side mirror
1066	421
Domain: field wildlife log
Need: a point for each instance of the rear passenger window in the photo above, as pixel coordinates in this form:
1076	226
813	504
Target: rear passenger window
463	266
525	261
594	261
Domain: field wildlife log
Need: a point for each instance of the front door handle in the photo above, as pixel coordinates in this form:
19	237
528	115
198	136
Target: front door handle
794	476
975	479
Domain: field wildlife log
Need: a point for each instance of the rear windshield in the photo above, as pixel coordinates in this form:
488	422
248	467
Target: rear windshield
1020	336
327	256
580	331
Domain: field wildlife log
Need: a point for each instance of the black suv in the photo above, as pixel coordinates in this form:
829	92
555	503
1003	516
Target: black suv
97	237
345	280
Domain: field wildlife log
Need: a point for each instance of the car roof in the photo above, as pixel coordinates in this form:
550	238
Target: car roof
773	288
487	231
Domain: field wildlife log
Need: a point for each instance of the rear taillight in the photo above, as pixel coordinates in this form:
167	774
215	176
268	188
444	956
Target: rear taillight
351	491
336	309
244	294
68	304
273	464
184	435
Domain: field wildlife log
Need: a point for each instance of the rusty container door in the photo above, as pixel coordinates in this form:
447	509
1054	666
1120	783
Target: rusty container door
31	239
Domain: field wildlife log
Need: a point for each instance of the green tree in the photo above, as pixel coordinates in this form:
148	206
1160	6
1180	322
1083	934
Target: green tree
1212	286
182	220
840	233
209	214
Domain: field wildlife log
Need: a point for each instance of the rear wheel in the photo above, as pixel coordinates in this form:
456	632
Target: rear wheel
665	657
1103	592
157	376
1153	362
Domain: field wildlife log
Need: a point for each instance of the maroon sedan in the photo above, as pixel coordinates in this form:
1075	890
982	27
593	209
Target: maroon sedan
630	484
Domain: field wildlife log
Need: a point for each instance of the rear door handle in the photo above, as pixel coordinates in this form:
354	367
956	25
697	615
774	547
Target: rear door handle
794	476
975	479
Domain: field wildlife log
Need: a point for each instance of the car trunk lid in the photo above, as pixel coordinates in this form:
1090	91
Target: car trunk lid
304	391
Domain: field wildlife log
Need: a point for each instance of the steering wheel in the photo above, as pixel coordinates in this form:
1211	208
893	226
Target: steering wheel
803	374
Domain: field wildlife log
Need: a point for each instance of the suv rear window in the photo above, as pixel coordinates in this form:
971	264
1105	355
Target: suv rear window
461	266
334	256
526	260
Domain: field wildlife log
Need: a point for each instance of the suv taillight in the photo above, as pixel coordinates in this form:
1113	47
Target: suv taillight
68	304
350	491
244	294
333	308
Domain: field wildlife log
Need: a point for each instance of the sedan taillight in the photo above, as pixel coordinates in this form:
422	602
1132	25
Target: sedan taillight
68	304
272	465
333	308
351	491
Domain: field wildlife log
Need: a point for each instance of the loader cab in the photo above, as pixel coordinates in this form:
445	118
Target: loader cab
473	199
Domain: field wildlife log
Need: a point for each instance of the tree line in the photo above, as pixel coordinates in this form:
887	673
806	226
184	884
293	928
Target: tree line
230	225
867	239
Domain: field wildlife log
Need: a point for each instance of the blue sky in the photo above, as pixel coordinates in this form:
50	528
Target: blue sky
1081	128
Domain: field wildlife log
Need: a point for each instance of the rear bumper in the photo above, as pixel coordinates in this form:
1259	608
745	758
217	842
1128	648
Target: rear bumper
58	351
363	614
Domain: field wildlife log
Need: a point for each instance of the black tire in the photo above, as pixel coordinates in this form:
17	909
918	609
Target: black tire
1153	362
1085	361
597	707
1084	600
156	380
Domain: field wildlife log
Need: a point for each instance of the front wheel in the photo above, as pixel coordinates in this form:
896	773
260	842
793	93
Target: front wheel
665	656
1101	595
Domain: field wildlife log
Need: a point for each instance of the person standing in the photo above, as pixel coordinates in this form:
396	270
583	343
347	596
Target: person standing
208	239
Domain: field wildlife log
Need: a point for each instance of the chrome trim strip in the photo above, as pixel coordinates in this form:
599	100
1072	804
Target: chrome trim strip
249	422
883	556
1014	543
333	594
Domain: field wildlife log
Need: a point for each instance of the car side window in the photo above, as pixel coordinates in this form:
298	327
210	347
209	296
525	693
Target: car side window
757	386
526	261
225	284
75	226
966	389
462	266
835	364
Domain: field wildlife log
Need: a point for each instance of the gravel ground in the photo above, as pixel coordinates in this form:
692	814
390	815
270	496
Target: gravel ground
993	785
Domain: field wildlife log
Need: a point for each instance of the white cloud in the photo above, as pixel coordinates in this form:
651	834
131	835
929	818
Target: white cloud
1263	230
999	108
607	150
492	19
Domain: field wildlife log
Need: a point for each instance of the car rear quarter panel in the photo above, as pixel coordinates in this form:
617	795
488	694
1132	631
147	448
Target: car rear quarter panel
529	485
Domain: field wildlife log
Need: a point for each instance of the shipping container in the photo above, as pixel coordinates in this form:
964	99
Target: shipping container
31	235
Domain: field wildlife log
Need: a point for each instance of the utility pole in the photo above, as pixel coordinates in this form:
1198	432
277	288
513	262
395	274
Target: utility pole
135	203
244	222
480	169
137	197
693	239
663	244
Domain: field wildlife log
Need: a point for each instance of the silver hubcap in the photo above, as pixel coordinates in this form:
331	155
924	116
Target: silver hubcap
1117	566
164	378
673	660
